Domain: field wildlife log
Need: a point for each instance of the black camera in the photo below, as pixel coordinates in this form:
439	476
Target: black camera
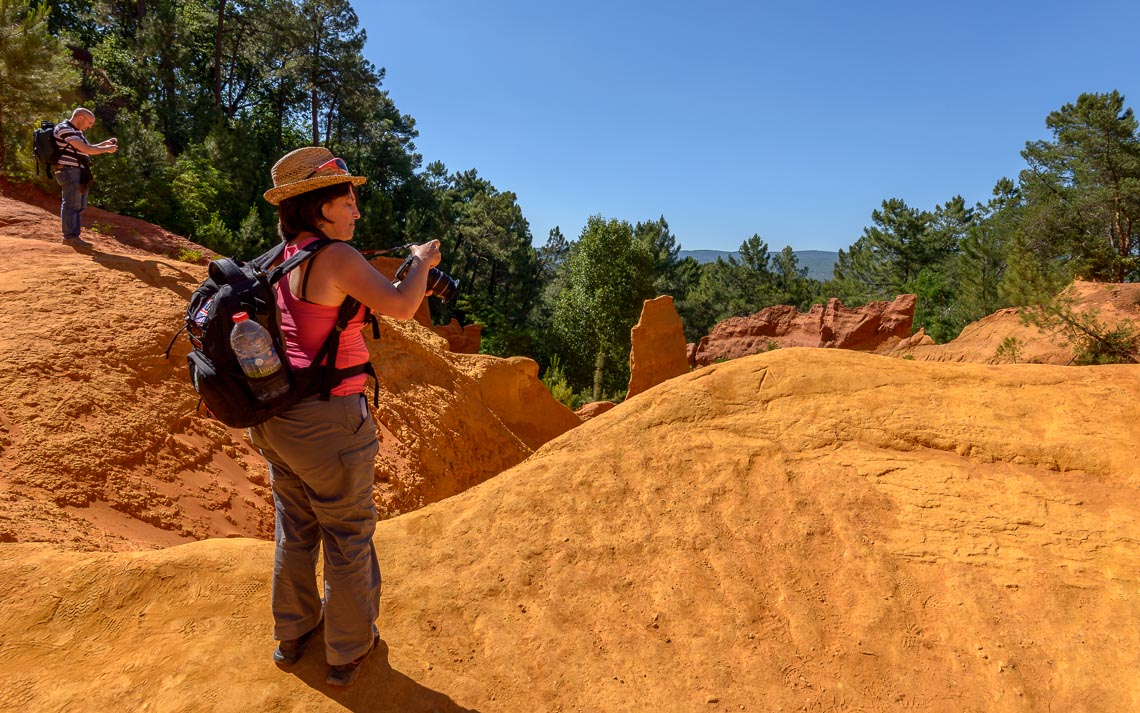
439	282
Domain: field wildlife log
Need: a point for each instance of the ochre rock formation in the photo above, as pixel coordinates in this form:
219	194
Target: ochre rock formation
691	353
980	341
832	325
450	421
461	339
658	346
918	339
594	408
806	529
511	388
100	443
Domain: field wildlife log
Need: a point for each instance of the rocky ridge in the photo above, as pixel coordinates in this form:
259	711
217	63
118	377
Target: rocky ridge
832	325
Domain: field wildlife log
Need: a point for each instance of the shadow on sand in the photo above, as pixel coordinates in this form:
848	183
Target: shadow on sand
378	689
156	273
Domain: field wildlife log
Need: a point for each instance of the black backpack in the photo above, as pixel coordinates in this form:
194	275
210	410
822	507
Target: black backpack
44	147
234	286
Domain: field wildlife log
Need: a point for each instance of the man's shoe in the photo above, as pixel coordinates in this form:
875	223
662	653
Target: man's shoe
344	675
290	652
76	242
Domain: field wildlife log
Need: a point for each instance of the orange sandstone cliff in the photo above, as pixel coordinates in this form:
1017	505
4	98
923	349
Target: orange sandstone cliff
658	346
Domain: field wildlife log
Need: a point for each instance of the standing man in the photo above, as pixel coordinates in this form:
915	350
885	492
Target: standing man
73	173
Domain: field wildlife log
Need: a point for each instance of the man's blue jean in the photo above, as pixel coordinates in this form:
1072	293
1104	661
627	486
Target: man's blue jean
74	198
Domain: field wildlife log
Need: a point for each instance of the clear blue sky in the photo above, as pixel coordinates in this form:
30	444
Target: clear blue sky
793	120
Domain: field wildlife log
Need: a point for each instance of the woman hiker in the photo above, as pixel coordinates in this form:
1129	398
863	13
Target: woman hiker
321	453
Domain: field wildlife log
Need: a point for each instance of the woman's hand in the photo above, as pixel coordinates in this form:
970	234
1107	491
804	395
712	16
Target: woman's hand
427	252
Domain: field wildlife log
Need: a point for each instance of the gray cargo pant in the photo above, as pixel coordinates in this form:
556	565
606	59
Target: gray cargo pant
321	458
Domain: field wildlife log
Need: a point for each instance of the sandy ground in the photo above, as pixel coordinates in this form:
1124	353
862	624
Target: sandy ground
803	530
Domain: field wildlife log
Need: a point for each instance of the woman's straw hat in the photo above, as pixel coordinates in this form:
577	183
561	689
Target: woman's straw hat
293	174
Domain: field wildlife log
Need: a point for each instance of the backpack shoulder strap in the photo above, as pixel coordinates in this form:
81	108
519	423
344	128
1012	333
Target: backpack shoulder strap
266	259
286	267
323	366
64	145
229	271
328	350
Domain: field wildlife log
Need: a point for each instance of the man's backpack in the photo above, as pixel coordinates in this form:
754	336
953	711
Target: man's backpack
45	148
232	287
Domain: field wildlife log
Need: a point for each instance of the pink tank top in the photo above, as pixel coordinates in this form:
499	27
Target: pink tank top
305	327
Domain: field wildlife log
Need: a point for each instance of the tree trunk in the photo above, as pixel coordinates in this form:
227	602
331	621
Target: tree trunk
1123	242
280	110
313	105
218	56
314	75
599	367
492	282
329	119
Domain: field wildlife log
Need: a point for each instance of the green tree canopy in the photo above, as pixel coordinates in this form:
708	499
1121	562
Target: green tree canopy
731	287
610	275
890	253
983	260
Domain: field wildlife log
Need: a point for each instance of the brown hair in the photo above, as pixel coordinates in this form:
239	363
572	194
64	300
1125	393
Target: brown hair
302	212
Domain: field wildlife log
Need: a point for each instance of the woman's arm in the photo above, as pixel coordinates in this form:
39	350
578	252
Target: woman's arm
352	275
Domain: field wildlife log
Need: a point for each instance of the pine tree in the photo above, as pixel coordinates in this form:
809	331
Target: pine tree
983	259
890	253
1082	189
34	76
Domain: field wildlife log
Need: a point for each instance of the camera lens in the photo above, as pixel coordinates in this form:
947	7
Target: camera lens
439	282
441	285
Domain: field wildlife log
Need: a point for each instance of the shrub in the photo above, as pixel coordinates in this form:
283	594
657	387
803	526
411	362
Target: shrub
554	378
1009	350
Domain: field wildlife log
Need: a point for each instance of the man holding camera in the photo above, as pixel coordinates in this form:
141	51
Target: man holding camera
73	172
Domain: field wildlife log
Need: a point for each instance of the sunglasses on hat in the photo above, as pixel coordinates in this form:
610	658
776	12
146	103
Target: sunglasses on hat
332	167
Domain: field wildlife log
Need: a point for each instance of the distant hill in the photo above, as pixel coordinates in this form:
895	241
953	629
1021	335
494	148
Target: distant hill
820	263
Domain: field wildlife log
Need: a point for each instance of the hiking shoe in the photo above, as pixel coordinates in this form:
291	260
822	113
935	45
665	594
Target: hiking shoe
290	652
76	242
344	675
